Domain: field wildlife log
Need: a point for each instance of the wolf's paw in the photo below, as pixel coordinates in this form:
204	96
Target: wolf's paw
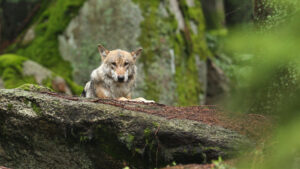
123	99
140	99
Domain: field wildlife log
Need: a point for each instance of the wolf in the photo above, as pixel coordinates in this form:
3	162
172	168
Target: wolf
115	77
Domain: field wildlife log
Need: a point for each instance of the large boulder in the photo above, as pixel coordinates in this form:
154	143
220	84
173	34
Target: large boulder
41	129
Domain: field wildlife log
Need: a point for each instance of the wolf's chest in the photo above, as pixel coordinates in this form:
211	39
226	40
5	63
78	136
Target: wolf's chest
116	91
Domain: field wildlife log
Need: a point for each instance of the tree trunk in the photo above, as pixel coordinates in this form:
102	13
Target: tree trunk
214	13
238	11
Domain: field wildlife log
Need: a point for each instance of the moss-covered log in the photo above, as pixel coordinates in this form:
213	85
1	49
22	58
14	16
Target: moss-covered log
39	130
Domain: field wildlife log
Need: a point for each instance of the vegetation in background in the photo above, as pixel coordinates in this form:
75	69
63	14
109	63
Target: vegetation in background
11	67
238	11
187	45
11	72
267	82
50	23
264	62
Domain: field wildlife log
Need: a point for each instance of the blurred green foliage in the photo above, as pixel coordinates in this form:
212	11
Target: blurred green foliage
266	71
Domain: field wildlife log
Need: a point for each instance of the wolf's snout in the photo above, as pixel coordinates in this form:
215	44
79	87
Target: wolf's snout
121	78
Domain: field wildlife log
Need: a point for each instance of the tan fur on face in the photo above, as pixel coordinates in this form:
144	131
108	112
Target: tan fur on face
119	60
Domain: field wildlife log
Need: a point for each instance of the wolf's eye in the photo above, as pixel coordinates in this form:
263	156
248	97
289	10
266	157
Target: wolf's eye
114	63
126	64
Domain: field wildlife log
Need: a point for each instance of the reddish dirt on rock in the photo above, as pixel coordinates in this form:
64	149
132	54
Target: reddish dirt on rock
1	167
191	166
252	125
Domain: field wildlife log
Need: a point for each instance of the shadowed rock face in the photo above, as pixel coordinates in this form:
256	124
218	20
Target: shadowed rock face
45	130
11	22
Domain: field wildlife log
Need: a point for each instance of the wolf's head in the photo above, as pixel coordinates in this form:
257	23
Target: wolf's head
119	64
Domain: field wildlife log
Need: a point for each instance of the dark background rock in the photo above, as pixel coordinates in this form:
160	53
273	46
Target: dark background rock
15	15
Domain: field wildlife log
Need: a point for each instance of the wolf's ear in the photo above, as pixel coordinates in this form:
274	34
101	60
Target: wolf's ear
136	53
103	52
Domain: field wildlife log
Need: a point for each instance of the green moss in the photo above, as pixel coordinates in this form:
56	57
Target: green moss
51	23
147	132
36	108
9	107
84	138
129	141
130	138
149	38
34	88
186	44
148	138
75	88
155	124
25	87
199	43
138	150
11	67
11	60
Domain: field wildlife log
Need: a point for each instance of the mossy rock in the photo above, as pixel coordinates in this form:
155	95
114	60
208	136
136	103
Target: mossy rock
11	67
13	74
34	88
39	130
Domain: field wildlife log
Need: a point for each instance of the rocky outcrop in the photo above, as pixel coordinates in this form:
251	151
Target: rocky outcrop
40	129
